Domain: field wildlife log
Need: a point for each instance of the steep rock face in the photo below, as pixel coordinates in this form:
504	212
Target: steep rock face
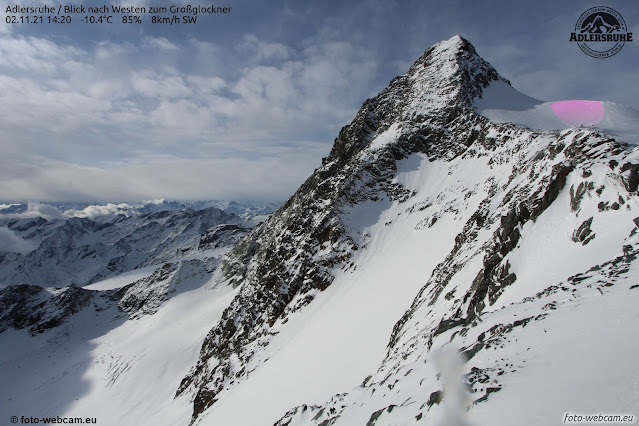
227	235
287	260
503	180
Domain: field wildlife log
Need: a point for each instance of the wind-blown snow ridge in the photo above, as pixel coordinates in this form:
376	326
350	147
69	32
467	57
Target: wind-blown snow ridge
501	103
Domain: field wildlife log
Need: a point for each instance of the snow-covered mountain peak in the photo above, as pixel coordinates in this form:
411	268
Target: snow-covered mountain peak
429	200
450	72
438	87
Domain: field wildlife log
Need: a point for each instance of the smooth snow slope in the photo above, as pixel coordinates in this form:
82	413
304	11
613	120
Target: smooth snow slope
123	279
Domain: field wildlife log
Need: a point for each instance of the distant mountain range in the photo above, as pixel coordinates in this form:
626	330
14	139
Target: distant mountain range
245	209
61	244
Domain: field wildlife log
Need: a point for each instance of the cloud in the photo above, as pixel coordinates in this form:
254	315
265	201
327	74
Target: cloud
9	241
264	51
80	116
95	211
83	122
160	85
160	43
4	28
35	209
273	174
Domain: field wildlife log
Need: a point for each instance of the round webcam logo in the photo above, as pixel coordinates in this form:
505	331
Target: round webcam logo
600	32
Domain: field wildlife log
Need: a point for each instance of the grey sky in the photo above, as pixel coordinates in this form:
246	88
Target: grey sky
245	105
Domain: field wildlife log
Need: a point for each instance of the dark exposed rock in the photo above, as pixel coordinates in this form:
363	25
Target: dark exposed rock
377	414
583	234
26	224
533	182
38	309
277	264
288	259
494	276
222	235
488	392
435	398
576	195
631	176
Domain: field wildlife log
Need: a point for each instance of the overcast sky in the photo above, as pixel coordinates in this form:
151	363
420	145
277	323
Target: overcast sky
245	105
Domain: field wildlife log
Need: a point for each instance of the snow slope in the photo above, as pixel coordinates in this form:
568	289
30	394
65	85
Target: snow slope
342	336
99	365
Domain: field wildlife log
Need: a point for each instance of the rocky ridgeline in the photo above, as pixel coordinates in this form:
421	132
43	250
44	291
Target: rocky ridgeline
407	385
445	312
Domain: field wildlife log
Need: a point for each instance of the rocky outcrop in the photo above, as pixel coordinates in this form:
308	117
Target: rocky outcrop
146	296
40	309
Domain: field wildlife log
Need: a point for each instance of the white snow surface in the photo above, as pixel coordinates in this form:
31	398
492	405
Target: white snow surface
579	361
344	332
127	372
123	279
140	273
546	255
